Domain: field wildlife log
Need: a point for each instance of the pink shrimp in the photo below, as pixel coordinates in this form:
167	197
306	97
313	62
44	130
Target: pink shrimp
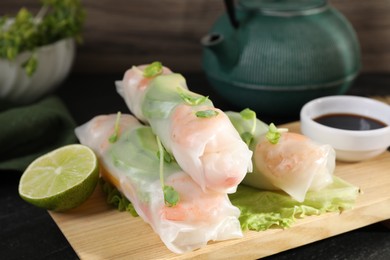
221	160
101	128
194	206
295	164
134	77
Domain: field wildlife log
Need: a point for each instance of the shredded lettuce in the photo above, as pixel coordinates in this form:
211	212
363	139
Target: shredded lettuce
261	210
116	198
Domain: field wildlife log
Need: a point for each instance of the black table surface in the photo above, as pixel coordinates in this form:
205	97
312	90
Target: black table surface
27	232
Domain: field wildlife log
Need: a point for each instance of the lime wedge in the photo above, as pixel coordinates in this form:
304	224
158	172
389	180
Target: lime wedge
62	179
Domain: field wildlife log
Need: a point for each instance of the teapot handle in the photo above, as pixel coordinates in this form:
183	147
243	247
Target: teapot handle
229	4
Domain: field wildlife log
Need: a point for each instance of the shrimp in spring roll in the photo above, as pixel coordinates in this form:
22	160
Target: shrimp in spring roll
282	160
130	158
201	137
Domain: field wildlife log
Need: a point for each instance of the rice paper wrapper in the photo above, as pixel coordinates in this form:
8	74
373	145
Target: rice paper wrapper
132	165
208	148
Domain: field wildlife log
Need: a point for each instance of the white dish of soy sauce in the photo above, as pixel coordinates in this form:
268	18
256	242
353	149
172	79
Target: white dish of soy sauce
358	128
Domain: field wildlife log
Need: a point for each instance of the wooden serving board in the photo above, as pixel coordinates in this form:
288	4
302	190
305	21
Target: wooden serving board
97	231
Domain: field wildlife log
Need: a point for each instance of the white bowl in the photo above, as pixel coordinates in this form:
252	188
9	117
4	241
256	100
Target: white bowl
350	145
54	64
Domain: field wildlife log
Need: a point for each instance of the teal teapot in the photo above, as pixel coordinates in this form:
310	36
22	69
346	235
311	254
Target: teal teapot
274	56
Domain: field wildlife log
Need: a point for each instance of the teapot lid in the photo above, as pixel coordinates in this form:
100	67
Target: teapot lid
282	5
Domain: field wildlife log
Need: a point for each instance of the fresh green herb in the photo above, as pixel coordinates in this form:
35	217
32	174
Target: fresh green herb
249	114
206	113
114	137
154	69
57	19
274	133
168	158
171	196
30	65
191	99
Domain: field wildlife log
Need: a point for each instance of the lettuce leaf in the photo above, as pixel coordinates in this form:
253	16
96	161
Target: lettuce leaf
261	210
116	198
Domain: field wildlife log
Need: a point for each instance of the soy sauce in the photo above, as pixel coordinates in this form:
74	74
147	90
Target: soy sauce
350	122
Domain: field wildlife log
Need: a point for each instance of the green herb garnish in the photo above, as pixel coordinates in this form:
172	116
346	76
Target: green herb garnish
154	69
168	158
30	65
114	137
57	20
171	196
206	113
274	133
192	100
249	114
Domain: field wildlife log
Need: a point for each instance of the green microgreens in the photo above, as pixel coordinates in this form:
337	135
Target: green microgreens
114	137
274	133
191	99
56	20
249	114
171	196
154	69
168	158
206	113
30	65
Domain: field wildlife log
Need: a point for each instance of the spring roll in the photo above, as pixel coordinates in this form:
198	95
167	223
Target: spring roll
131	163
200	137
293	163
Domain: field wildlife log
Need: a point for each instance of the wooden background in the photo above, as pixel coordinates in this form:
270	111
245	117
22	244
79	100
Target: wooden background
121	33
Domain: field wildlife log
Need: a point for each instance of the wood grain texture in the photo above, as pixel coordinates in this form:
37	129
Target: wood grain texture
118	35
97	231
